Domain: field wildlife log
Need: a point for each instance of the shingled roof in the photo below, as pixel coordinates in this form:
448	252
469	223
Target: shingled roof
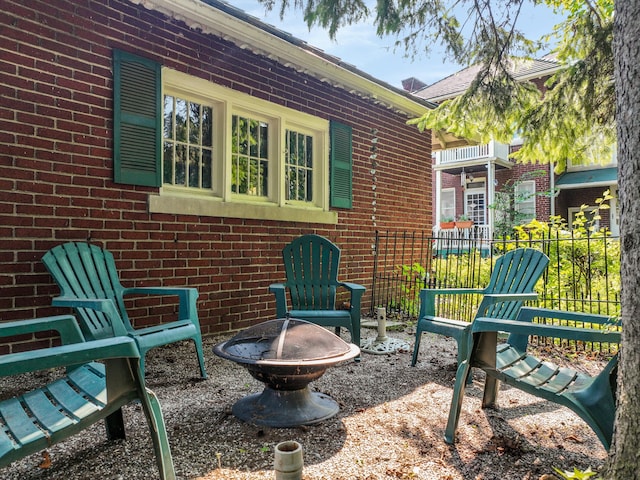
457	83
222	19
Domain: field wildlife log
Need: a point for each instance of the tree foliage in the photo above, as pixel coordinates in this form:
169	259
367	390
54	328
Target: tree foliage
573	120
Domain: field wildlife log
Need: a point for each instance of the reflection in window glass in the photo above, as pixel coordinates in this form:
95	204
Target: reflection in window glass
448	203
188	143
249	156
299	166
525	199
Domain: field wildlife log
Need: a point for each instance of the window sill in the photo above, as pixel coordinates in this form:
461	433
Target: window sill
208	207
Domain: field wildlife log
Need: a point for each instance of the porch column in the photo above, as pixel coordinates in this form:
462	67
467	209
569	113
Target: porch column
552	189
438	187
491	194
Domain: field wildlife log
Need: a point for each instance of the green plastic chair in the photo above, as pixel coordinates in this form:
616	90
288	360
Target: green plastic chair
592	398
311	266
102	376
513	278
89	283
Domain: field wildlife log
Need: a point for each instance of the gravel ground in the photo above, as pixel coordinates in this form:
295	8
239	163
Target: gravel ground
390	426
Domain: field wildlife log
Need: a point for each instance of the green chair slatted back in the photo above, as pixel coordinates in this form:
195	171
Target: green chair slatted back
512	281
516	271
311	264
88	279
85	271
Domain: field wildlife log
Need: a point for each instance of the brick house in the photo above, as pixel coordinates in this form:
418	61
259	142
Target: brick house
469	177
193	141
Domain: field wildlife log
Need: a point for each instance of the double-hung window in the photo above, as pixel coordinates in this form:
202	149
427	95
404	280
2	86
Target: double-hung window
525	200
187	143
226	153
448	203
249	156
298	164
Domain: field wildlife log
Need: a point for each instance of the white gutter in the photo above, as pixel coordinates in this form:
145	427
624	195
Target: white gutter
199	15
574	186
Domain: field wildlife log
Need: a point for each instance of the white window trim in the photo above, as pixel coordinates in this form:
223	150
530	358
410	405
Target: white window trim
531	190
451	191
572	211
479	187
221	202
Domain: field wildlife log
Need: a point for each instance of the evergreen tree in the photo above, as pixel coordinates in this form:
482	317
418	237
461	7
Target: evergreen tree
592	101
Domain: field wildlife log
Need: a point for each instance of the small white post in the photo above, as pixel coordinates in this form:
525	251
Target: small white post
288	461
381	316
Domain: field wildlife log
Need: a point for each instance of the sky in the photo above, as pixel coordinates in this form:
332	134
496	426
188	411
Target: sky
359	45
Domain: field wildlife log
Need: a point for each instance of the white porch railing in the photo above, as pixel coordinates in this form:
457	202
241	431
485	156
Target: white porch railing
461	240
473	152
481	231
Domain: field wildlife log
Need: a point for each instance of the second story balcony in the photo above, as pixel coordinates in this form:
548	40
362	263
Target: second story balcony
452	160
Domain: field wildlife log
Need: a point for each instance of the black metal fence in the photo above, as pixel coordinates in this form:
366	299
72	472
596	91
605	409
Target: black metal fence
583	273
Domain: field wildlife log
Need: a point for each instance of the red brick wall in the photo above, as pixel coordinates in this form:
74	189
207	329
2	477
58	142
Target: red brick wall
56	135
543	203
585	196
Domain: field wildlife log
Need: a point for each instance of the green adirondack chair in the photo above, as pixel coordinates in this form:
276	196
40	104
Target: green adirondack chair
89	283
102	376
311	266
513	278
593	398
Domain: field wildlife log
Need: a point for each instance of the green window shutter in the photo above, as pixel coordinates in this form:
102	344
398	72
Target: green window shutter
341	166
137	129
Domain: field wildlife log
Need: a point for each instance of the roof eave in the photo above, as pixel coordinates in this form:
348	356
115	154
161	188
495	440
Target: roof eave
600	184
551	70
287	50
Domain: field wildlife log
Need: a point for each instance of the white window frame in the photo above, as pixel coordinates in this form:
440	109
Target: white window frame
528	206
447	208
572	211
315	186
479	188
220	201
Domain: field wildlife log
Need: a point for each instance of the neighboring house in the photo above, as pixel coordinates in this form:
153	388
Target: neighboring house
193	141
469	178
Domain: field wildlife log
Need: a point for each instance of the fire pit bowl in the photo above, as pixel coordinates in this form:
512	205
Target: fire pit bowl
286	354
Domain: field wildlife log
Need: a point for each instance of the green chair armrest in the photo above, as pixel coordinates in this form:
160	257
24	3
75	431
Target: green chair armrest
279	290
68	355
66	326
186	297
183	292
485	324
527	314
354	289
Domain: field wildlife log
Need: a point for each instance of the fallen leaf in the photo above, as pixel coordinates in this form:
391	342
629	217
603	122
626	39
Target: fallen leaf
46	460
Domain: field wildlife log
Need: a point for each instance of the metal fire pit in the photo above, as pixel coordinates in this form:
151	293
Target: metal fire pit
286	354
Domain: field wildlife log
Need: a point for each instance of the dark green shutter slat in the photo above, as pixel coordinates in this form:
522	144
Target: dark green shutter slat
341	167
137	120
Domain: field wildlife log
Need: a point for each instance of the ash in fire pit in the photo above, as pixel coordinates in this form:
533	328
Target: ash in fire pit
286	354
